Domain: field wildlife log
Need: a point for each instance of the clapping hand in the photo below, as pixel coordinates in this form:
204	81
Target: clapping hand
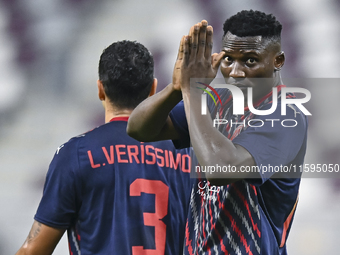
194	59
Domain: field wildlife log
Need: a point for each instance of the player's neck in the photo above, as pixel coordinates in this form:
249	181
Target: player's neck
114	113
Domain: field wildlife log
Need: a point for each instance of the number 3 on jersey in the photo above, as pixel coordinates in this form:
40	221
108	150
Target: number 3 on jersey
161	192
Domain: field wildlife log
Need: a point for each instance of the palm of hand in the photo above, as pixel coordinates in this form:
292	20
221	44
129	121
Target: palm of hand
194	58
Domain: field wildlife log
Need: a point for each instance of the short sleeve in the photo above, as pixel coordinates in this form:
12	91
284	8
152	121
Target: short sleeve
275	140
180	123
58	206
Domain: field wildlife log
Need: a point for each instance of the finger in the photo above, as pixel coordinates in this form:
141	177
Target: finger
209	42
186	50
216	59
180	49
194	42
202	39
191	32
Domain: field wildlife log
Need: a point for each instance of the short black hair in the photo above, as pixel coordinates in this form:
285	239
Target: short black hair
253	23
126	69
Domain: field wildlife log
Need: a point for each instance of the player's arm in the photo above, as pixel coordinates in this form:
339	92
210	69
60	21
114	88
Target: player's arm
211	146
150	120
41	240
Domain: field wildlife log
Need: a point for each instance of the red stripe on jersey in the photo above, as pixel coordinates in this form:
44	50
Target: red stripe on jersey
222	244
287	224
69	247
199	230
255	227
124	118
238	232
228	100
187	241
254	188
211	194
203	223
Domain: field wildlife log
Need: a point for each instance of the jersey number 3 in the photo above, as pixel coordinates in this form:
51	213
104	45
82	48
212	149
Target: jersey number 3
161	192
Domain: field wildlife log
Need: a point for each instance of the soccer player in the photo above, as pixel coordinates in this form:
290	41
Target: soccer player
232	213
113	194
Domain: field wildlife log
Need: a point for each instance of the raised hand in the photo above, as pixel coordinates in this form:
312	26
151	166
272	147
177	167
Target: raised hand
177	73
194	58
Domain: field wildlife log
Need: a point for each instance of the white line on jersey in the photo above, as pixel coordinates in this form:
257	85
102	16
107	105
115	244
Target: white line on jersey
58	149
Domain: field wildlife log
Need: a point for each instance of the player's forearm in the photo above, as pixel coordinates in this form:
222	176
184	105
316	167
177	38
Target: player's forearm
41	240
211	147
30	251
150	118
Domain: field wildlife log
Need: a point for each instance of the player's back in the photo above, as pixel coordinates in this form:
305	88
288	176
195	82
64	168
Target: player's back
127	196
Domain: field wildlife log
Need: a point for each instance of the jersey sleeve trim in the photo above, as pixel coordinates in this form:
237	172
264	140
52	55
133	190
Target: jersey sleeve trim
50	224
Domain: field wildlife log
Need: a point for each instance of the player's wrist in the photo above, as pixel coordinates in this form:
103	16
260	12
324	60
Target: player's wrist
174	92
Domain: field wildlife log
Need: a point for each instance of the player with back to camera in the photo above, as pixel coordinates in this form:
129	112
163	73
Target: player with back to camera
232	213
113	194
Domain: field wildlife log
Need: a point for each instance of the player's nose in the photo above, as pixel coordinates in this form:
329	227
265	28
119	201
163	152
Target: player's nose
236	71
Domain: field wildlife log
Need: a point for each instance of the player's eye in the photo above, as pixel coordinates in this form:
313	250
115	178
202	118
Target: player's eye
251	61
228	59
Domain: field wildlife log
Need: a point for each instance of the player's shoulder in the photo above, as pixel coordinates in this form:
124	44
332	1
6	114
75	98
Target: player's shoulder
285	117
69	151
105	133
293	113
73	143
98	131
284	111
70	146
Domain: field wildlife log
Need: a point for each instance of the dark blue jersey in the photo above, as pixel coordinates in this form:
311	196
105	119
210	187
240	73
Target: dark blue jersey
116	195
252	216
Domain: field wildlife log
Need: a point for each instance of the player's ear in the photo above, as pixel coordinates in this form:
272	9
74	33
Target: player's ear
279	60
101	92
153	87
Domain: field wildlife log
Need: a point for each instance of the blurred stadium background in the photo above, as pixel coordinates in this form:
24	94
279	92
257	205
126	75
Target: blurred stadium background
49	51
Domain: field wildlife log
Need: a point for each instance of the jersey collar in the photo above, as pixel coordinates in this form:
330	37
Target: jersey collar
125	118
